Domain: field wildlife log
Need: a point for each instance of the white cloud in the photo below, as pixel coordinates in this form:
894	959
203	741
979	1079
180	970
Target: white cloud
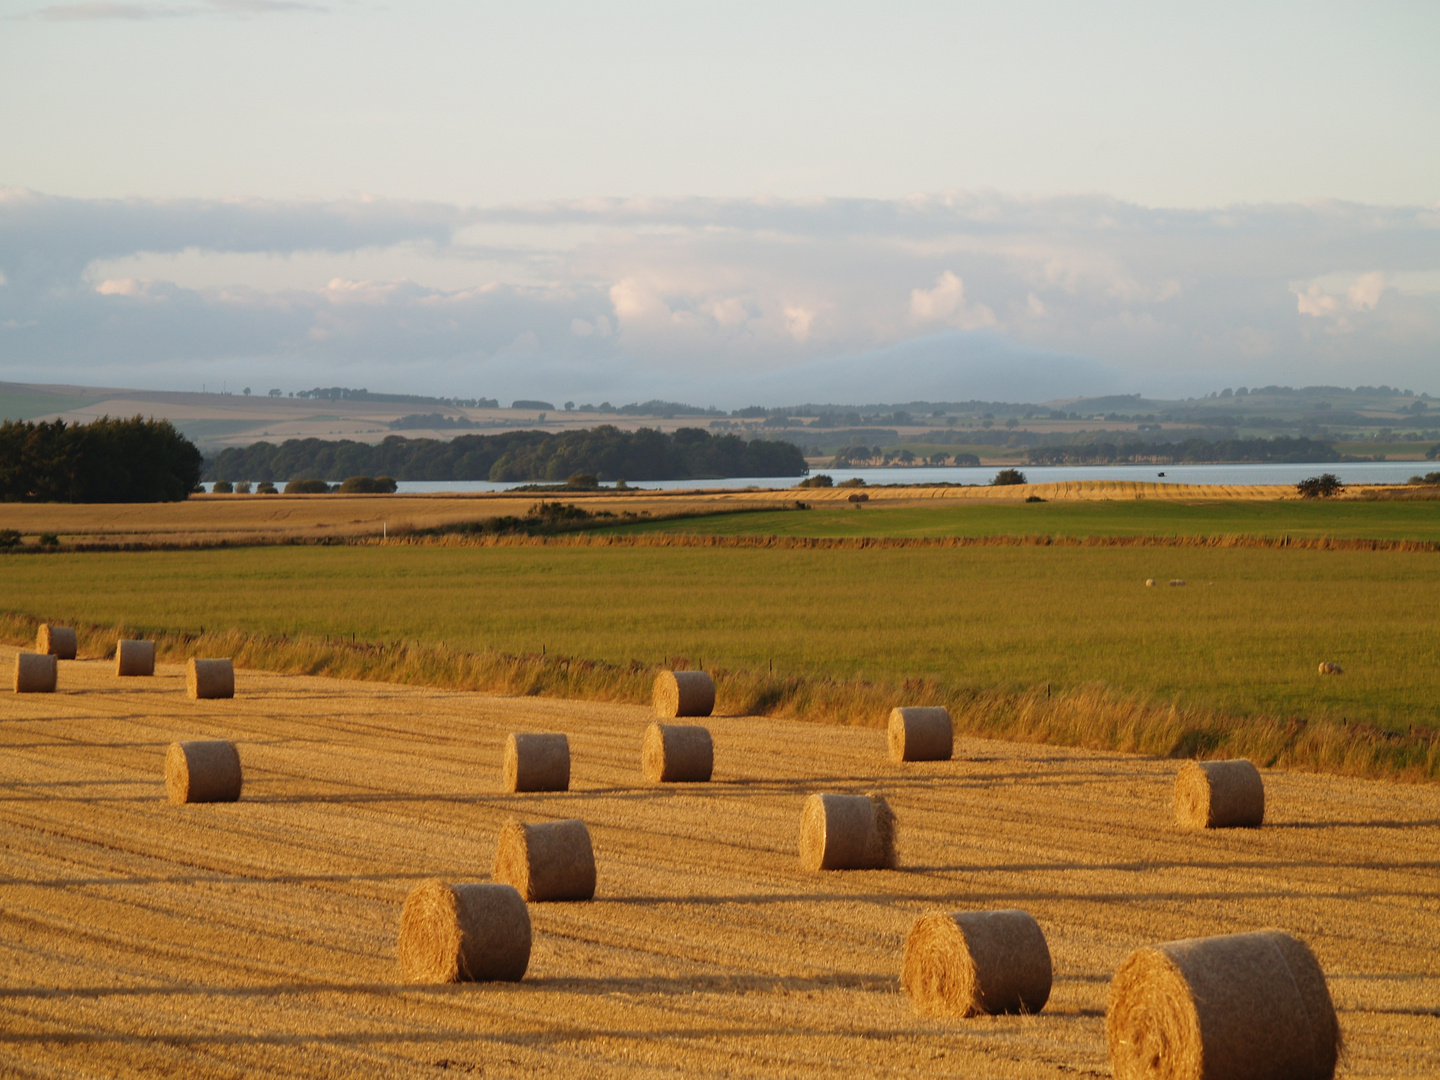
605	294
1364	294
945	303
798	321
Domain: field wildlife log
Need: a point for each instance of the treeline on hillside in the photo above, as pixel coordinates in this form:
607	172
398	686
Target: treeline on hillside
1282	450
107	460
605	452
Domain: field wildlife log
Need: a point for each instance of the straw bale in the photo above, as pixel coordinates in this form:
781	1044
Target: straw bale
205	770
970	963
549	861
134	658
1219	795
1149	582
58	641
463	933
1177	581
1252	1006
684	693
677	753
537	761
35	673
210	679
847	832
1329	667
921	733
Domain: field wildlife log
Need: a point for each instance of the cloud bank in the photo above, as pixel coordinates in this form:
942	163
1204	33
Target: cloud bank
951	296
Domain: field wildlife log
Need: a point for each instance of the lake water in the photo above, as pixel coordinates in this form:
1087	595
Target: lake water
1354	472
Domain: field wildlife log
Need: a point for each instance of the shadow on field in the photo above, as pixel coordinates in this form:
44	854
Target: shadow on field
668	985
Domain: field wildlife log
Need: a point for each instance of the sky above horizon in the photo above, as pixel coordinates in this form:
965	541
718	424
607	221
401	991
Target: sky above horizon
724	204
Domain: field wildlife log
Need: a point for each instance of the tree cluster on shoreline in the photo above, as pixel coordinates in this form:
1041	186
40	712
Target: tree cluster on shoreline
106	460
516	456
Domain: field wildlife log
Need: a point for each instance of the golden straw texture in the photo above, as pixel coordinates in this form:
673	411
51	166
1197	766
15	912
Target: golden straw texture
35	673
537	761
463	933
58	641
203	771
921	733
1240	1007
677	753
550	861
969	963
847	832
684	693
134	658
210	679
1219	795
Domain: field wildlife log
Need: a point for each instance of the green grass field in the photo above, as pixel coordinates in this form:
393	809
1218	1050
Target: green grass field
1243	637
1379	520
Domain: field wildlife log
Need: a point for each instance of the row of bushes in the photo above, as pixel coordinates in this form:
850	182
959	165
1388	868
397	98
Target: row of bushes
107	460
354	485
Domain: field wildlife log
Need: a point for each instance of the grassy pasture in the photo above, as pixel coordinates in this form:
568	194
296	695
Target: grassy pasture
1243	638
1378	520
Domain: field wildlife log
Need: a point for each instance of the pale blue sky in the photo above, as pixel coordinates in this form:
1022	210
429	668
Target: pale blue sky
1184	195
1164	104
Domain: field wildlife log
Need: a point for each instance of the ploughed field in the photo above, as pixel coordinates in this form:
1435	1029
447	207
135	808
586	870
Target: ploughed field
142	938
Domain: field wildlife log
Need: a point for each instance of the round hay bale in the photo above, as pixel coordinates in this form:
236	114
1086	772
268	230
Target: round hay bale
463	933
921	733
58	641
1243	1005
684	693
203	771
210	679
35	673
1329	667
550	861
537	761
1219	795
677	754
1177	581
847	832
977	962
134	658
1149	582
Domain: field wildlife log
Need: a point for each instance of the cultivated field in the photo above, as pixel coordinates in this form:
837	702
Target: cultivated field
1243	637
145	939
1157	518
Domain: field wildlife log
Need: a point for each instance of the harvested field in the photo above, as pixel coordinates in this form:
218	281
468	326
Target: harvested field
1095	507
142	938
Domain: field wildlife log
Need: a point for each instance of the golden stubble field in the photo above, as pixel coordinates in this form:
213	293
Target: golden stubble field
258	938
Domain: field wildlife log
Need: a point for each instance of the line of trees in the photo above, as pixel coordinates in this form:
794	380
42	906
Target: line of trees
516	456
106	460
1282	450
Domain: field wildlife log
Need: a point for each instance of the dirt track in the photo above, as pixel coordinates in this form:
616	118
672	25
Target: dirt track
258	938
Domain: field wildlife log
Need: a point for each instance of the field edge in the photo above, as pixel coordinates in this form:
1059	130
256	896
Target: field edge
1094	717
